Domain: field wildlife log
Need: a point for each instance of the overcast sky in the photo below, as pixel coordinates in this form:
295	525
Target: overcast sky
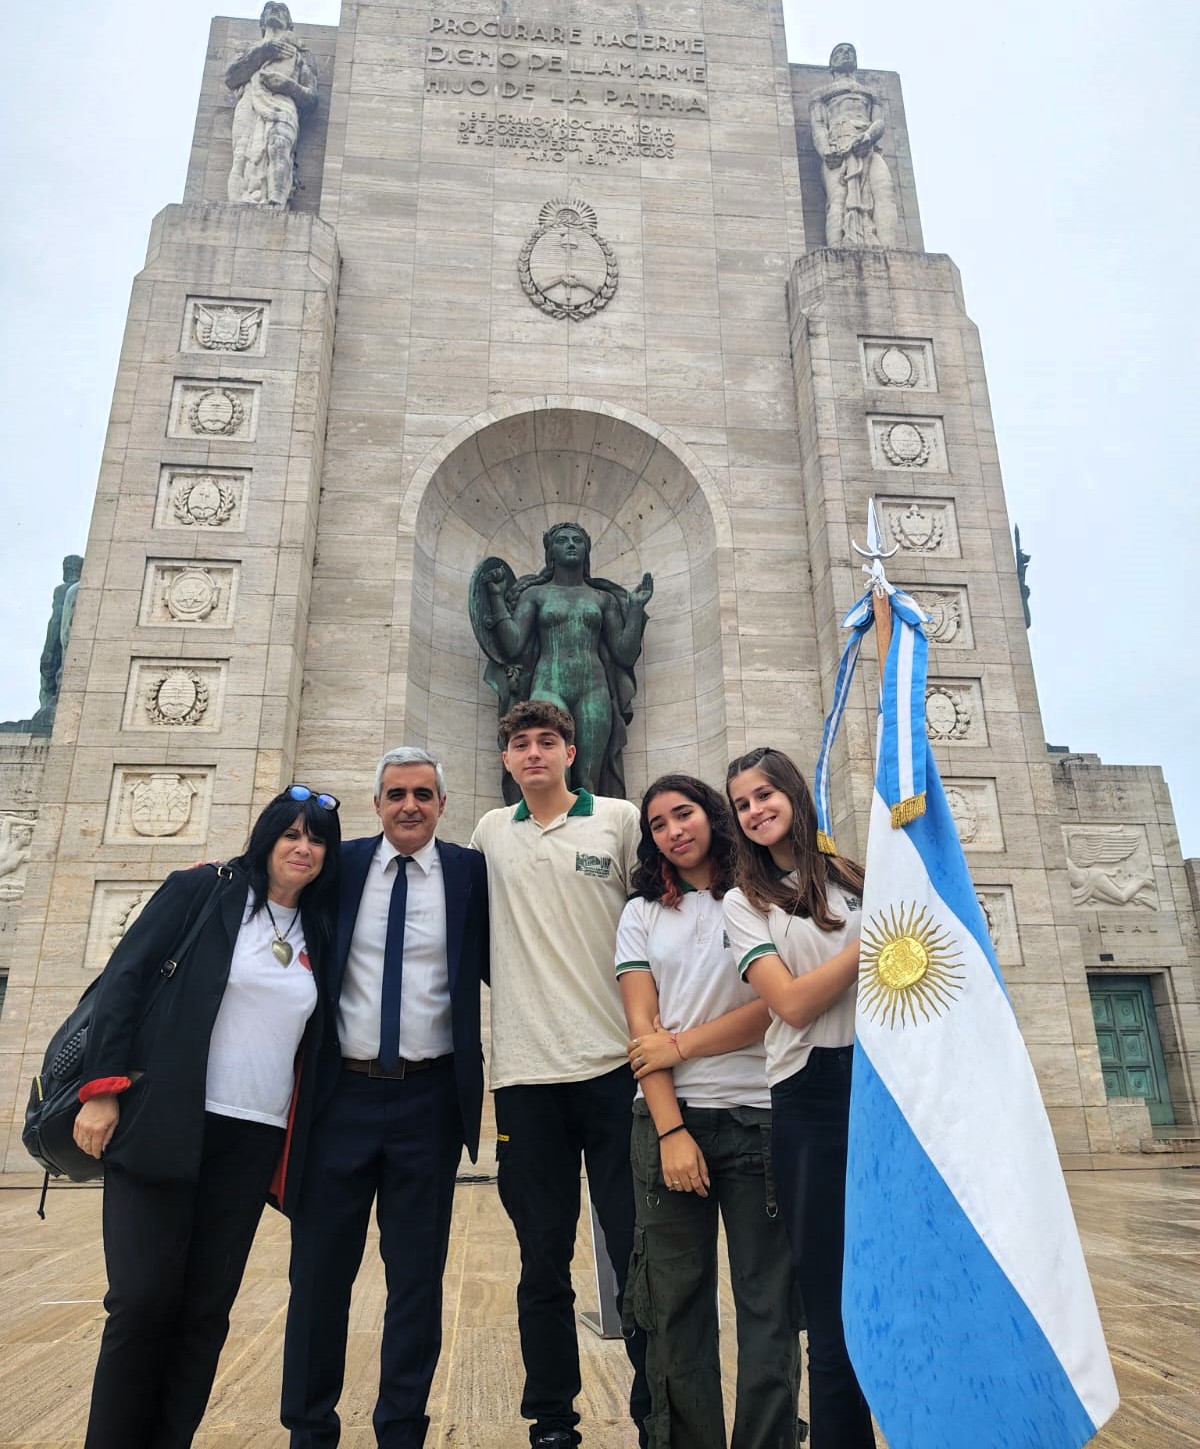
1055	148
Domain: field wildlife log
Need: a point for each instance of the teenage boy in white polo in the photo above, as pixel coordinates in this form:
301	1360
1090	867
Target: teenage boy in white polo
559	865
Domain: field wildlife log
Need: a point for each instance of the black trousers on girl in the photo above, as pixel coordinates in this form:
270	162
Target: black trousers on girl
175	1254
809	1122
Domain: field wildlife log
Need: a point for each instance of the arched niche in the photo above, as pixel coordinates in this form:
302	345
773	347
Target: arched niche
495	488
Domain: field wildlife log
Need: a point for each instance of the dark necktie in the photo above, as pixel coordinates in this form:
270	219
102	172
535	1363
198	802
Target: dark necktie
393	970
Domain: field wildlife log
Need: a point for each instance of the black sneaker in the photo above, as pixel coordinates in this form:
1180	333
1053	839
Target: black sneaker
555	1439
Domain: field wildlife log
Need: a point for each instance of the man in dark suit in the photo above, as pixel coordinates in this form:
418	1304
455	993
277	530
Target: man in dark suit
405	1097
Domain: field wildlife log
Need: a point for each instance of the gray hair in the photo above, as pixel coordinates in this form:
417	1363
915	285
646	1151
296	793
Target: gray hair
410	755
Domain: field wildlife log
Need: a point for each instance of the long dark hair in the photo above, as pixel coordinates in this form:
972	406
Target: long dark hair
319	897
654	877
758	875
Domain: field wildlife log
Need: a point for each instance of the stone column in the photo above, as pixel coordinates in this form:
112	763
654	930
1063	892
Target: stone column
180	701
893	404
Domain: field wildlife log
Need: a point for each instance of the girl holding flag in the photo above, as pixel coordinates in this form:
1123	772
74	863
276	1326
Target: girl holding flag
793	926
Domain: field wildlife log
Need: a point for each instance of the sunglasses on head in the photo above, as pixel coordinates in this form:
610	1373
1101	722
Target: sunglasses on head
302	792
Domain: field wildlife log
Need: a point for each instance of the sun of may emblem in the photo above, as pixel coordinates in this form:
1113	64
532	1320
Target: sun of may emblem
908	966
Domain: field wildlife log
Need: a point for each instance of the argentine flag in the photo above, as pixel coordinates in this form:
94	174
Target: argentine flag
968	1312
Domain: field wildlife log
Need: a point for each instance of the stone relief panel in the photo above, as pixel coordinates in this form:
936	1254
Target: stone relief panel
954	712
216	410
949	616
189	594
566	268
148	804
198	498
905	363
16	841
214	325
1109	867
976	811
916	443
115	907
921	525
1000	912
175	694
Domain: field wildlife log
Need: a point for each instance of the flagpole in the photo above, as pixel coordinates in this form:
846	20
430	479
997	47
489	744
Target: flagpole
881	606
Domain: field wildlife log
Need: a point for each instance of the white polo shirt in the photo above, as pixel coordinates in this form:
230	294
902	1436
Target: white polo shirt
801	946
555	894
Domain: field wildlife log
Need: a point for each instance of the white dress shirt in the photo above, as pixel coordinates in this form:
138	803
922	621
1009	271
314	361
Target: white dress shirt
425	1029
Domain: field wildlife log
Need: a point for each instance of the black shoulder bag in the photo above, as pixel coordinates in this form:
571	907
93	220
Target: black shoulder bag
48	1133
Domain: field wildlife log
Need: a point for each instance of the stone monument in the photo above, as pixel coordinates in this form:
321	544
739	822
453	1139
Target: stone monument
583	286
564	636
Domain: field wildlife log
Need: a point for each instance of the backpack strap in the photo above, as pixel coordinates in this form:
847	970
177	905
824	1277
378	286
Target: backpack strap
224	873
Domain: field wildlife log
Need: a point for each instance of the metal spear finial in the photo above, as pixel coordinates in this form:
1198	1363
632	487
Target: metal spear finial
876	552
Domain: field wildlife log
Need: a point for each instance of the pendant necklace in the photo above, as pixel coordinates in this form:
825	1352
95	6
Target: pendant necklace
281	947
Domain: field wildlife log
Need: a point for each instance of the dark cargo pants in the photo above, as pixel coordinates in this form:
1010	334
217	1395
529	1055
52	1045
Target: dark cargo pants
672	1291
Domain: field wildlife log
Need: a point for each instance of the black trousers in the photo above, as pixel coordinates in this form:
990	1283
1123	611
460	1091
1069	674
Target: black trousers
394	1145
175	1254
543	1133
810	1113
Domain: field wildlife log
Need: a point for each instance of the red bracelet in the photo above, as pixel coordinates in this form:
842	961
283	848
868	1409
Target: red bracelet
674	1039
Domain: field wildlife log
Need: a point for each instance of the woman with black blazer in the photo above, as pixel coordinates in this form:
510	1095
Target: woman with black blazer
198	1094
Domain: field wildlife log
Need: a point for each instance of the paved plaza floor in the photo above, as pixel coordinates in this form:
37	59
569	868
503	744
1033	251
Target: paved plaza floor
1141	1232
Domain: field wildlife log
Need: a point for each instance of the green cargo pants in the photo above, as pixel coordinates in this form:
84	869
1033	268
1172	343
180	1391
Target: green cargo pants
672	1289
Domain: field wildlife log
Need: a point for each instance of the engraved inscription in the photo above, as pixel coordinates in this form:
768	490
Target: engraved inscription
619	73
559	138
212	325
201	498
1109	867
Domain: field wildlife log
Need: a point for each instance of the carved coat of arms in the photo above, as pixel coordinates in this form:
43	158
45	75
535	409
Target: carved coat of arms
566	267
161	805
227	329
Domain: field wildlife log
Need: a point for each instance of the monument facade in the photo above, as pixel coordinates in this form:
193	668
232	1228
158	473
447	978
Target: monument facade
487	272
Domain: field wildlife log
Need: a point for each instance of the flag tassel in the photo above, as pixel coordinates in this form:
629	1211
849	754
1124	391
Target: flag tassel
908	810
825	843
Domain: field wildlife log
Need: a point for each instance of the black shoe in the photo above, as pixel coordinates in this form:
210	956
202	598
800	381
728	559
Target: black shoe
555	1439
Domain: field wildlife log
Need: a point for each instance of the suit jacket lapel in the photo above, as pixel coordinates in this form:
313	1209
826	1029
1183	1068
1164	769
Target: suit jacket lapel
356	862
456	885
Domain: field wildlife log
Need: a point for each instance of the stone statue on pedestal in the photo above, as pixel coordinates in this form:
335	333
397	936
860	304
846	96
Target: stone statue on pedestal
54	651
564	636
847	123
278	82
1023	561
